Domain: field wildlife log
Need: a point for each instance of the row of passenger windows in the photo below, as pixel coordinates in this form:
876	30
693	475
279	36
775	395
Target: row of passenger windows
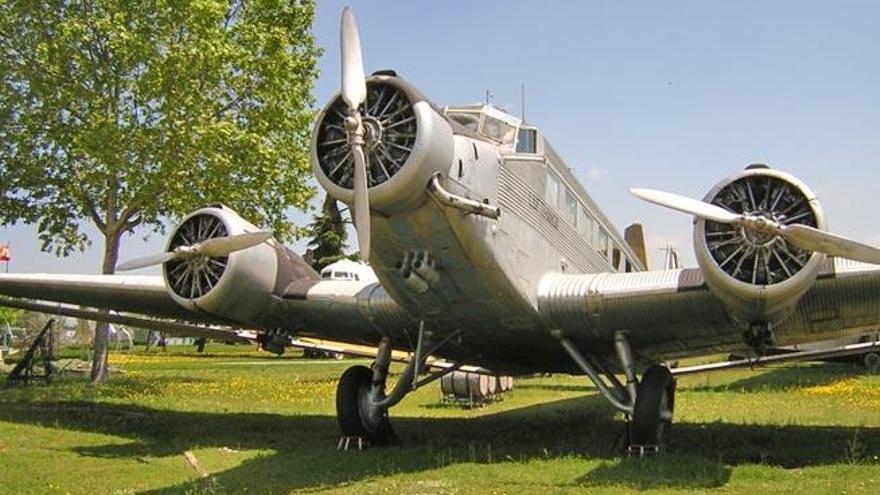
558	196
340	275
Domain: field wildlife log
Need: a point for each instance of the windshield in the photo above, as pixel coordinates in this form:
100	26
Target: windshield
497	129
469	120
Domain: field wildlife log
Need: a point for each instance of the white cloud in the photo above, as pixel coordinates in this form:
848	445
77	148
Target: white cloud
596	174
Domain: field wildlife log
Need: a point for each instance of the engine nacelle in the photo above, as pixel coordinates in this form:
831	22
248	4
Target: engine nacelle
407	140
238	286
758	276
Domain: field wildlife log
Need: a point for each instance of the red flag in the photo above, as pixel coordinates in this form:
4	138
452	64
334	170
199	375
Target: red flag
4	253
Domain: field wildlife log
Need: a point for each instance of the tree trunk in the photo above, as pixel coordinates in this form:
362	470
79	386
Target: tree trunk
100	369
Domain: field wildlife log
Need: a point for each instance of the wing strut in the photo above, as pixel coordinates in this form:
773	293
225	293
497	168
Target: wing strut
754	362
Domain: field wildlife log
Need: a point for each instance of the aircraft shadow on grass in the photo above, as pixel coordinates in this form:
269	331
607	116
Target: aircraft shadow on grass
304	454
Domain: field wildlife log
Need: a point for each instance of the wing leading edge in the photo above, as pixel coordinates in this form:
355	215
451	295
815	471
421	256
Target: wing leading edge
125	293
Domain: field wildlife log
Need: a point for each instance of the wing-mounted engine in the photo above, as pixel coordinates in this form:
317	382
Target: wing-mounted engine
238	286
755	271
760	238
406	140
218	263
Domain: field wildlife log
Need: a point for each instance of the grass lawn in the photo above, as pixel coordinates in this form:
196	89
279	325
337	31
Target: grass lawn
262	424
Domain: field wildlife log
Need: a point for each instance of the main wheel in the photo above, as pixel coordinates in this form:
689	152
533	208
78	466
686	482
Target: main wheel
871	361
652	412
354	413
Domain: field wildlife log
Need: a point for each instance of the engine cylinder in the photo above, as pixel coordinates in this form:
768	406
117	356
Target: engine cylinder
759	276
406	141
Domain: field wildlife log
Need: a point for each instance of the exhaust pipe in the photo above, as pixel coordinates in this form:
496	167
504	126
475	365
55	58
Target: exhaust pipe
425	269
414	282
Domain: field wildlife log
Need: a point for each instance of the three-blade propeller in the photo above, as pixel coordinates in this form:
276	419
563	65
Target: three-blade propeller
354	92
212	248
802	236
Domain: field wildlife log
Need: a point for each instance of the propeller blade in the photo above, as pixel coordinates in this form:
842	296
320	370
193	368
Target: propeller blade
223	246
154	259
354	86
687	205
361	201
813	239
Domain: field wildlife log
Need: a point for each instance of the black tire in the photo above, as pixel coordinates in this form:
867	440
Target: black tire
655	391
353	384
348	393
871	361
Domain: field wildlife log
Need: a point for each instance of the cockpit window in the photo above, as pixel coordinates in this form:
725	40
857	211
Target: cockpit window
469	120
497	129
526	141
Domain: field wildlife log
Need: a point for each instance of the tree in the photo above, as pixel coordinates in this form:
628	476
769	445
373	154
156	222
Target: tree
126	113
328	235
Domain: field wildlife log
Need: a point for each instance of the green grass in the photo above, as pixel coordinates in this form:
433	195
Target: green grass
261	424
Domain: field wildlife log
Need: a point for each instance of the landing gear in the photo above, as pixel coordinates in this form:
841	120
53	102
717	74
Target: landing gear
652	412
361	403
648	403
356	416
871	361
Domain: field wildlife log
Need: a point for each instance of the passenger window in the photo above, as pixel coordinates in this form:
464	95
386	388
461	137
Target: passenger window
602	243
551	189
570	209
585	225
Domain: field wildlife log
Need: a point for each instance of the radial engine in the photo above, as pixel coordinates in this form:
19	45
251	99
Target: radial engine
755	271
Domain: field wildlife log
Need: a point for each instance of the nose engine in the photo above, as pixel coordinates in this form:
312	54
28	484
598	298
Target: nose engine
749	265
406	140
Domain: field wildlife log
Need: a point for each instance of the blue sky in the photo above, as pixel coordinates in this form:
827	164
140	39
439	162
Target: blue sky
670	95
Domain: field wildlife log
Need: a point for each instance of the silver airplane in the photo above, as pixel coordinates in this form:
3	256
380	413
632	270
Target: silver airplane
489	253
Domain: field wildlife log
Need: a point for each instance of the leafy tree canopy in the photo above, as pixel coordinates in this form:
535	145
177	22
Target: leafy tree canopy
125	112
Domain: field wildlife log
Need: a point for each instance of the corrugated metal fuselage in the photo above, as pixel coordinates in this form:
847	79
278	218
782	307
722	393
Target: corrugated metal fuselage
490	270
503	284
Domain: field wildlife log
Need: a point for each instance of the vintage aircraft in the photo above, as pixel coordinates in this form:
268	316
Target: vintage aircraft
490	253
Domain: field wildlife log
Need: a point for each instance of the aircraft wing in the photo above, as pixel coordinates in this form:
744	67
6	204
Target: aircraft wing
347	311
125	293
672	314
147	295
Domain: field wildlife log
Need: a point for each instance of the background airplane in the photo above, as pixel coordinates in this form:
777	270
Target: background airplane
489	252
